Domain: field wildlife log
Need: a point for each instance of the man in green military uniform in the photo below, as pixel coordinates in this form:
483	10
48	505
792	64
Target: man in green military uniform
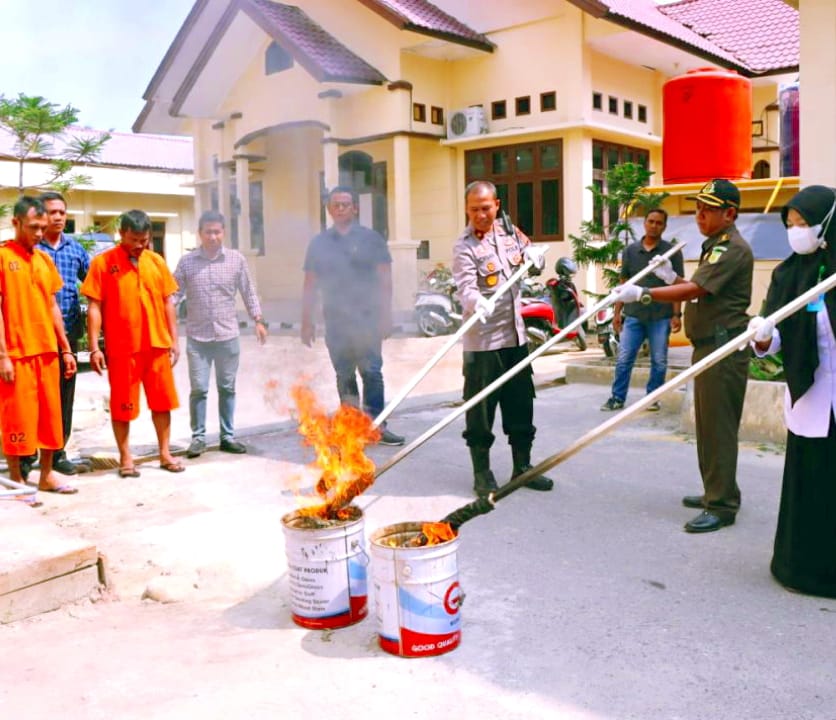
717	298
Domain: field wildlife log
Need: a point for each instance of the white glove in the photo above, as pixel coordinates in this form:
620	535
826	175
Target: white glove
627	293
763	327
485	307
663	269
537	255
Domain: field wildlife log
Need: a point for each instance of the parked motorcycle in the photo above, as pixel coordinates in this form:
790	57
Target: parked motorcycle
437	309
607	336
544	316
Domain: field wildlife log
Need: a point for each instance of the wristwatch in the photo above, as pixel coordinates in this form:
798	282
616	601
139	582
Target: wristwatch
646	298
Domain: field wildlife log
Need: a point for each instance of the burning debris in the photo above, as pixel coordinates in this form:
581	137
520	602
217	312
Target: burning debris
338	441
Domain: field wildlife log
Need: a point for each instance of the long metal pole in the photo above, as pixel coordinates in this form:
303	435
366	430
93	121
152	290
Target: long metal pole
486	504
469	323
719	354
608	300
17	490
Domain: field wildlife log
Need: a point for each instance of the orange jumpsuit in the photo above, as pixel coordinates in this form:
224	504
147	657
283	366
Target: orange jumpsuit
30	405
135	329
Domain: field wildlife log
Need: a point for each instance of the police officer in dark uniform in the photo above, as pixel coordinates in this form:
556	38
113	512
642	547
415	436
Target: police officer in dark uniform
719	292
484	257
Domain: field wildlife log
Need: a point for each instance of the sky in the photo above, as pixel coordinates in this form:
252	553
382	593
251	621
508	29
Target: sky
97	55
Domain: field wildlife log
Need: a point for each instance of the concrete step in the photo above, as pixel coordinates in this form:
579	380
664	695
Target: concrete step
42	566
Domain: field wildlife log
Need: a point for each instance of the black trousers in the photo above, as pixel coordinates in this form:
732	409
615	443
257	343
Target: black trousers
67	390
515	398
718	405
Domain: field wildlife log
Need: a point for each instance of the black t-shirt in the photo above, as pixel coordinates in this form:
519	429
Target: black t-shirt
635	258
346	269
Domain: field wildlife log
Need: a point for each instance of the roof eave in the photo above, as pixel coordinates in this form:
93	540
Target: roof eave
680	44
483	45
401	22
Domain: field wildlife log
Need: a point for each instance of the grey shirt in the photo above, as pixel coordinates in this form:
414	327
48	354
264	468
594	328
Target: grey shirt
480	266
210	285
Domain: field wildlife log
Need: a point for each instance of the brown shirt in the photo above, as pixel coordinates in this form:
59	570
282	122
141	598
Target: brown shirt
725	272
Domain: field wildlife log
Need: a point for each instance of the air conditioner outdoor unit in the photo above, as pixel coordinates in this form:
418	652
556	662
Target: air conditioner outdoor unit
466	122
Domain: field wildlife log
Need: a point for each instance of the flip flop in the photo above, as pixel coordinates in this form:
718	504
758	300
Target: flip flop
29	500
60	490
172	467
128	472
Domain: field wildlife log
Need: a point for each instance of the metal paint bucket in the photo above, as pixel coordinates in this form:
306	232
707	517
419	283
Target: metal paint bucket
327	572
417	593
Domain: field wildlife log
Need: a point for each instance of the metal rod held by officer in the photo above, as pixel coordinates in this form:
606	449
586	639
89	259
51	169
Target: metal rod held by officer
479	315
520	366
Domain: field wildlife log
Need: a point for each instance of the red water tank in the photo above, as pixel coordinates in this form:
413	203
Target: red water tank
707	127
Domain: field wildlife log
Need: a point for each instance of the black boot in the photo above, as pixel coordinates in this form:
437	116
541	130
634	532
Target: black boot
484	483
522	463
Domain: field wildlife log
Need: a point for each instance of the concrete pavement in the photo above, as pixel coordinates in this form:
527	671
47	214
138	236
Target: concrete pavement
586	602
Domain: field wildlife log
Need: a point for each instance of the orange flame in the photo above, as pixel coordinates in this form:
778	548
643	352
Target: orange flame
338	442
438	532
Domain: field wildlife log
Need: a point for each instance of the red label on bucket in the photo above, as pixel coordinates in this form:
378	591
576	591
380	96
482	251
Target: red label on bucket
417	595
413	644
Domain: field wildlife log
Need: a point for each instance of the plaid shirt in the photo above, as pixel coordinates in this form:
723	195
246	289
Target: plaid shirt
209	286
72	262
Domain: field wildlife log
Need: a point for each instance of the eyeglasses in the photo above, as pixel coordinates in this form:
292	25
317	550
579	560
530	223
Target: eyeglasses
342	205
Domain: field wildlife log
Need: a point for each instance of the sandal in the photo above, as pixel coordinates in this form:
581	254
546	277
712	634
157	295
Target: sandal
128	472
172	467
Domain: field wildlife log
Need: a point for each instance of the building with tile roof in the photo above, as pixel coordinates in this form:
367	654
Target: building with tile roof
407	100
150	172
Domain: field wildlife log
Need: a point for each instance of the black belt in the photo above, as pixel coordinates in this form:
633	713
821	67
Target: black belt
716	340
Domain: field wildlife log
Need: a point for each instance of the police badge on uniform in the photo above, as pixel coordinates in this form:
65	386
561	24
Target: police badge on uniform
716	254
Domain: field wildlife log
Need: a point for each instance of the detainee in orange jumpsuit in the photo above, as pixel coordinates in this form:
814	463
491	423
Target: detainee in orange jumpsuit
129	289
31	328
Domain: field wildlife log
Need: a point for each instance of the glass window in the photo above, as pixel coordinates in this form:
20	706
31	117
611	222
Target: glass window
549	157
528	180
498	110
525	208
523	105
598	156
525	160
475	165
597	101
642	113
628	109
549	206
613	105
548	101
499	162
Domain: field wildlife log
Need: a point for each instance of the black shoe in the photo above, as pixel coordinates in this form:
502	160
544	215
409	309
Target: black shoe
538	482
693	501
196	448
612	404
233	446
64	466
708	522
387	437
83	466
484	483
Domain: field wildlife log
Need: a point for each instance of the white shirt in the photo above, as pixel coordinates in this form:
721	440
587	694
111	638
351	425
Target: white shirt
810	416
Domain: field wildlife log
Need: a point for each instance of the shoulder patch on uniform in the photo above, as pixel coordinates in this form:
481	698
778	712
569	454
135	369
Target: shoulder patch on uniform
716	253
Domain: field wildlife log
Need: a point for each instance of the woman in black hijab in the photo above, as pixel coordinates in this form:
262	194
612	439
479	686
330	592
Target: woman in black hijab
804	556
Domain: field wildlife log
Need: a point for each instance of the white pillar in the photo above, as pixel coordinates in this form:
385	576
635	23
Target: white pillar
242	187
401	245
223	191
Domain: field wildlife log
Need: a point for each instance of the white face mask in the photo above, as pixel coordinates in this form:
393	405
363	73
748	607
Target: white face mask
806	240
